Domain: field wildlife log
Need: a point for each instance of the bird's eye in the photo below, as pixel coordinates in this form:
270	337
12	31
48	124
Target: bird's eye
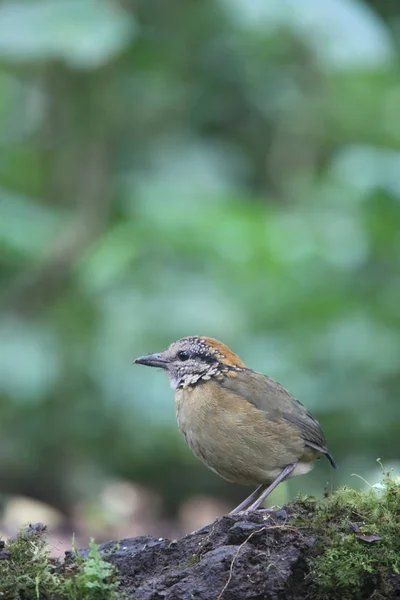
183	355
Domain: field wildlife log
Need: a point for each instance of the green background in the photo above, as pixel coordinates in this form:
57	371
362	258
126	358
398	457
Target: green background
225	168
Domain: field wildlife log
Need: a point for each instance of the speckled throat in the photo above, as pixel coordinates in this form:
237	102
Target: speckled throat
194	378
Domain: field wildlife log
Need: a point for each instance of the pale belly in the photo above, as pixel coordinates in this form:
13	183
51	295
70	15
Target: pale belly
241	448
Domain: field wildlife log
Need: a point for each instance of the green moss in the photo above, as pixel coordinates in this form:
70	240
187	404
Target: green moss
193	560
26	571
94	579
358	541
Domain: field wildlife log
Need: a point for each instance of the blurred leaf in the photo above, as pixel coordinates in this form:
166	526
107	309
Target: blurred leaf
366	168
85	34
29	360
16	212
108	259
343	32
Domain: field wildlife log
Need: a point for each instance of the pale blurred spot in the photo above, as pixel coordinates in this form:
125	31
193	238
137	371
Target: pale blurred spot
20	511
61	543
200	510
122	509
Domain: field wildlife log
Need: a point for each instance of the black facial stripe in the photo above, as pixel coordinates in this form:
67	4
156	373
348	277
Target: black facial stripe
208	358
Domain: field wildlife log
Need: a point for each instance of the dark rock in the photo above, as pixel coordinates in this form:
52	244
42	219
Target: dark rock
281	514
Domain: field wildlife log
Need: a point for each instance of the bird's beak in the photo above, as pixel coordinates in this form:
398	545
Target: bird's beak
152	360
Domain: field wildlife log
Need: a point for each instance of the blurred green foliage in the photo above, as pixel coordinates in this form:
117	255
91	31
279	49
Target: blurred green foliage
171	168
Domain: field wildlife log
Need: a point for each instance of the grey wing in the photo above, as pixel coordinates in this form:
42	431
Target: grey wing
268	395
310	431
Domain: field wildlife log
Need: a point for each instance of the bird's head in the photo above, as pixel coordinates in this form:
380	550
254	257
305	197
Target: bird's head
193	360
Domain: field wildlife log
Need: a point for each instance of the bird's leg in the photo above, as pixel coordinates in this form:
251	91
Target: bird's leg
267	490
249	500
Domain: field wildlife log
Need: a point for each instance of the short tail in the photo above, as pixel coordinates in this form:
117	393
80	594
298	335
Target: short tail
324	451
330	458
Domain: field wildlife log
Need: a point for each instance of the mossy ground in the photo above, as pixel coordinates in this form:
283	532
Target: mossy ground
26	571
357	553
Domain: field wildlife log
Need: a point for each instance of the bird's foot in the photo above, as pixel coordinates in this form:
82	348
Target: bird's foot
264	512
249	511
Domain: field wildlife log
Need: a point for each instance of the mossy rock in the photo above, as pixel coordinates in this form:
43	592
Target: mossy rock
357	552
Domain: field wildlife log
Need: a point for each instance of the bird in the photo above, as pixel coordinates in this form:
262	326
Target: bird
242	424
